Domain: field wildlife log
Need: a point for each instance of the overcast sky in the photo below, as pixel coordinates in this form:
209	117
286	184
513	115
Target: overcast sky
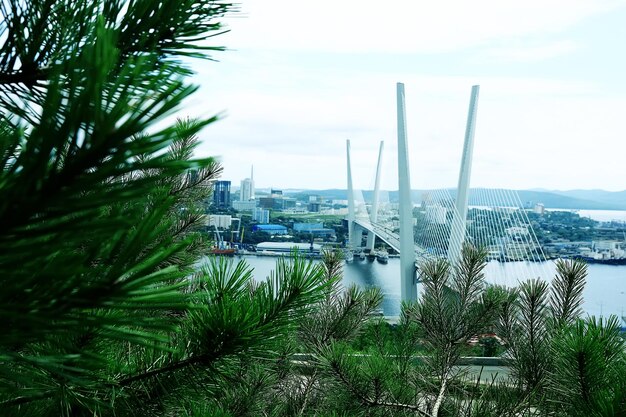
302	76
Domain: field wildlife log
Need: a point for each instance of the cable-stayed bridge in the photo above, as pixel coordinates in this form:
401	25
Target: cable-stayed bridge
442	223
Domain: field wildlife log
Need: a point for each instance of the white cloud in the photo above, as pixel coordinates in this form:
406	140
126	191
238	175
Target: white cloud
404	26
525	126
290	119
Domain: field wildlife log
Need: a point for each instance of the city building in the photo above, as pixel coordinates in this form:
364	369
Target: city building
221	194
307	227
219	221
539	208
316	229
517	232
277	203
272	229
270	203
335	211
244	205
289	203
314	207
261	215
288	247
246	191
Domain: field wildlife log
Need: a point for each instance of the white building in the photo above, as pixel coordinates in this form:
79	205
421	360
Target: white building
335	212
605	245
288	247
246	191
517	231
220	221
244	205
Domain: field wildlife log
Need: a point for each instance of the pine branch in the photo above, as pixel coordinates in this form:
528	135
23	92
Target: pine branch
365	399
567	292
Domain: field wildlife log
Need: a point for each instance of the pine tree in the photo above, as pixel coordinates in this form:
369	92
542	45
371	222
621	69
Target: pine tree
105	309
102	308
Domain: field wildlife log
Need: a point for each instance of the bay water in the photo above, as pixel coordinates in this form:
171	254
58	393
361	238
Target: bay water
605	291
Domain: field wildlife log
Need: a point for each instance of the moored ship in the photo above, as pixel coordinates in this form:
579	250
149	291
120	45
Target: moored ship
382	257
608	252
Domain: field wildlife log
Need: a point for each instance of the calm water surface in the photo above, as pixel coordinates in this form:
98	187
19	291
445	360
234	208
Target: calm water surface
605	292
599	215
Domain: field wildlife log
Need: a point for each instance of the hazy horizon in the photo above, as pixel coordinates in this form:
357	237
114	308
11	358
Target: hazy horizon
235	185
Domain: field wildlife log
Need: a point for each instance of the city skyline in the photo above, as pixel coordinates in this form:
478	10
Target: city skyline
549	116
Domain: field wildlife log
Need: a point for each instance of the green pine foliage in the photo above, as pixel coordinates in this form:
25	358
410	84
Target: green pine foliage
103	308
557	363
106	308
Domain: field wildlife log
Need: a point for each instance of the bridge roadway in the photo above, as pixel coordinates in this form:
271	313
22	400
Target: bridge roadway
388	236
384	233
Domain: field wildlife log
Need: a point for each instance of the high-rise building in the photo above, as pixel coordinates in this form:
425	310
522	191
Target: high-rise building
246	192
261	215
221	194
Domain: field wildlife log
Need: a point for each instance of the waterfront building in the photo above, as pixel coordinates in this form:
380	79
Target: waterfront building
219	221
288	247
272	229
221	194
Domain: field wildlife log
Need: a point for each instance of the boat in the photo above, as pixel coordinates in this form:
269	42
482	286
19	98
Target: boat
605	252
382	257
223	251
602	260
221	248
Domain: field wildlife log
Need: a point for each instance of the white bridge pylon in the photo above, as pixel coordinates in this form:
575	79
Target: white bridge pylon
496	221
359	219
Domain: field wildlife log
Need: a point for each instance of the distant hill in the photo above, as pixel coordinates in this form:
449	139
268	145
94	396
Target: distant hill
617	198
573	199
558	199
